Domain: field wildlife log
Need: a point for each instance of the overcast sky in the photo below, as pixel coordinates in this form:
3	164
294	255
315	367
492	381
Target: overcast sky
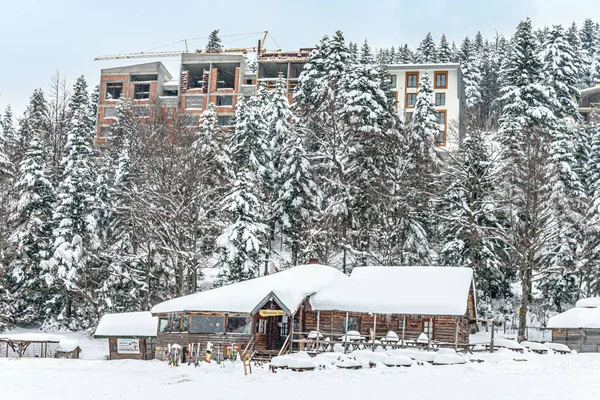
38	38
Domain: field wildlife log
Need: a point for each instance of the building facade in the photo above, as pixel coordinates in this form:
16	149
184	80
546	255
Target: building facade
449	97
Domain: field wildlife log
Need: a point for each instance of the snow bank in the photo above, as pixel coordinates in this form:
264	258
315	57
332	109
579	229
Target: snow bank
290	287
399	290
448	359
535	346
557	346
397	361
67	345
137	324
590	302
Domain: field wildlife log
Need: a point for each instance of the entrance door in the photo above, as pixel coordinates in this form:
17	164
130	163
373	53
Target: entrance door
277	331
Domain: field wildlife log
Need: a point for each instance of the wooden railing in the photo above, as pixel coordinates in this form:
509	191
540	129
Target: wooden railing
249	350
285	344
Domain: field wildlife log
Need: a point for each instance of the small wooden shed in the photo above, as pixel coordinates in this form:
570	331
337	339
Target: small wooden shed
68	348
130	335
579	327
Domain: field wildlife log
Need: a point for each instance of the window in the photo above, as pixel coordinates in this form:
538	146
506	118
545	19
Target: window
163	323
412	79
175	323
441	117
239	325
113	90
141	91
441	80
184	323
194	101
206	324
585	116
428	328
105	132
110	112
262	326
224	120
411	99
224	101
440	138
409	116
190	120
141	111
171	112
273	70
352	324
393	81
296	69
401	324
440	99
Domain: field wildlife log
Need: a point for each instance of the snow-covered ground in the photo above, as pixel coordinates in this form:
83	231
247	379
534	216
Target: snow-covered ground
552	376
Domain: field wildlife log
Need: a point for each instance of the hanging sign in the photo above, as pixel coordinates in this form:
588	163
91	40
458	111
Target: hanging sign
128	346
271	313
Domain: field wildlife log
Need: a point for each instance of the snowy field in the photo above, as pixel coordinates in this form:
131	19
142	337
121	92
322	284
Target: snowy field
499	377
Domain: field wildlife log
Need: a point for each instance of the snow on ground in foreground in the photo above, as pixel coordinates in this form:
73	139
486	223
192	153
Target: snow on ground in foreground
542	377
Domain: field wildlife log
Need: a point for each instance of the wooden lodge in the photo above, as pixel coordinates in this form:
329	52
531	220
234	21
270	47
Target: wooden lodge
579	327
130	335
281	312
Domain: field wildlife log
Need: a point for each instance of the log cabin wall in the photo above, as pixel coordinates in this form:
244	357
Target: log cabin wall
582	340
444	327
115	355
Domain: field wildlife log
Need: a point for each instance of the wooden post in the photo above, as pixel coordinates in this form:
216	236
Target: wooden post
455	334
292	334
374	329
403	330
492	339
346	335
318	330
430	333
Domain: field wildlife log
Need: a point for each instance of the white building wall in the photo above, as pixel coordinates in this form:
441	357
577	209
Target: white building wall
453	92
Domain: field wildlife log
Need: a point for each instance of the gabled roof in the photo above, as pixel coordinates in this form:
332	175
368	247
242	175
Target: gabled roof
586	314
131	324
399	290
290	287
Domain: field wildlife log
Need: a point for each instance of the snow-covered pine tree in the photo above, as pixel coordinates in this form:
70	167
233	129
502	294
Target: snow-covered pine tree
590	271
561	72
214	42
427	52
471	74
366	55
31	238
575	43
35	120
444	53
75	233
243	241
527	118
405	55
470	218
353	48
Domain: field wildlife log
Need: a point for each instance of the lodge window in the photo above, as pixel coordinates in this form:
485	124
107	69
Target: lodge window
113	90
412	79
441	80
401	324
206	324
411	99
352	324
163	325
141	112
184	324
194	101
141	91
441	117
224	120
428	328
393	81
105	132
175	324
171	112
409	116
440	99
440	138
239	325
261	327
110	112
190	120
224	101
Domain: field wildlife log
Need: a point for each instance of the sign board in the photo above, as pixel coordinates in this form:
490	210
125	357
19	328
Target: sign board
271	313
128	346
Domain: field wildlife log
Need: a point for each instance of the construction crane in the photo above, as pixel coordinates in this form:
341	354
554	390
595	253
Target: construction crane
177	53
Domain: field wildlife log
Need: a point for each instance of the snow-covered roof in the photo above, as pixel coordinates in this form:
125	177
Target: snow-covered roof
67	345
290	286
132	324
586	314
399	290
31	337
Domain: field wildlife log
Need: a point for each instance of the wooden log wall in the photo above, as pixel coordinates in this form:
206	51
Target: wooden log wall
582	340
114	355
